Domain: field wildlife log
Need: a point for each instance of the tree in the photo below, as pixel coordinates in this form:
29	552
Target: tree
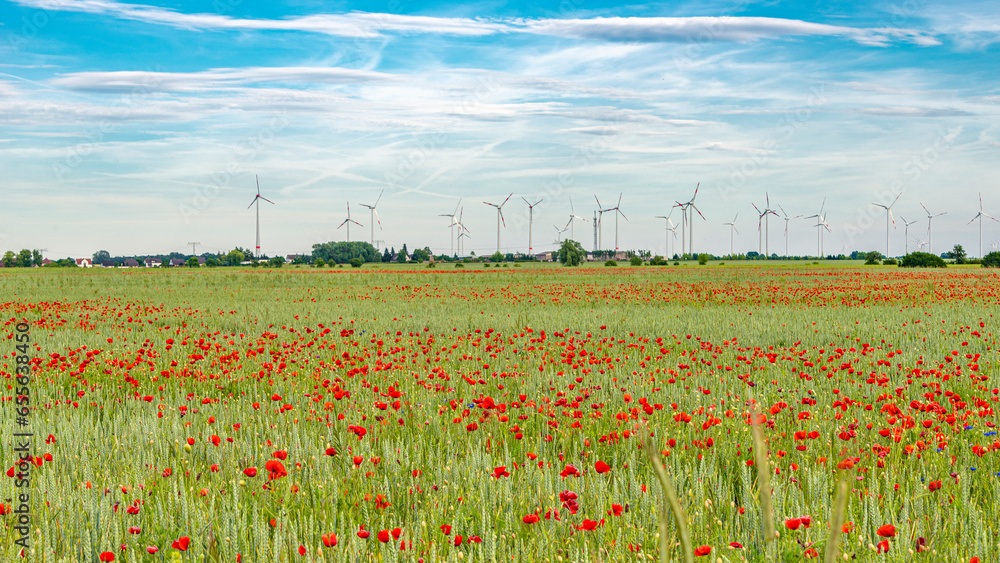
421	255
921	260
356	262
211	262
192	262
991	260
36	258
571	253
9	259
402	257
276	262
703	258
872	258
635	261
234	258
958	253
496	257
101	256
344	252
386	256
24	258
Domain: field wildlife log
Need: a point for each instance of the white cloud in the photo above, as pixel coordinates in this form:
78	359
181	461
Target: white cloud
700	29
143	82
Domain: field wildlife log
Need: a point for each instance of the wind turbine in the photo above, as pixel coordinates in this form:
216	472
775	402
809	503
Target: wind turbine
732	229
671	228
499	217
684	220
348	222
374	216
762	217
690	205
980	216
256	201
787	220
767	225
618	211
820	223
463	231
531	211
451	227
906	232
559	232
572	217
888	217
930	237
600	224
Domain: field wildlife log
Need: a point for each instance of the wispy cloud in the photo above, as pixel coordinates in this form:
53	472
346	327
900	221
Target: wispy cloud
128	81
710	29
915	112
618	29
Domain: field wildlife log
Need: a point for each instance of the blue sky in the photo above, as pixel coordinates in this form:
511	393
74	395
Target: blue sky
138	128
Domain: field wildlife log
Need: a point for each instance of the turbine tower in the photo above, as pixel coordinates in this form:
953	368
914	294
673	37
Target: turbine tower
531	211
463	231
732	229
256	201
767	225
499	217
451	227
348	222
684	220
906	233
374	215
930	238
888	218
980	216
762	216
787	220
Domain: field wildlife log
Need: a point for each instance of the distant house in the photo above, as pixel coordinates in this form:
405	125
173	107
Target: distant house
177	261
201	261
46	262
107	264
152	262
544	257
130	263
291	258
84	263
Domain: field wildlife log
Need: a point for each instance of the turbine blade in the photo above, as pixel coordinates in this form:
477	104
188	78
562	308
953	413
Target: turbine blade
501	218
252	202
256	177
925	209
377	218
265	199
505	201
378	199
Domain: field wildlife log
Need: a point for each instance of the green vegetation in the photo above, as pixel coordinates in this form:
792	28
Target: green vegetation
922	260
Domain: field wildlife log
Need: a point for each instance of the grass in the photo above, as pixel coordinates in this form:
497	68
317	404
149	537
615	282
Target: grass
133	364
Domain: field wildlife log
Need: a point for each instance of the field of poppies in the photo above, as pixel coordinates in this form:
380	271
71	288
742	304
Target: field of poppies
498	414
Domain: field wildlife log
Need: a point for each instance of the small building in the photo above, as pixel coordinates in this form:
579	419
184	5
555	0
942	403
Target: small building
177	262
46	262
107	264
130	263
201	261
152	262
544	257
84	263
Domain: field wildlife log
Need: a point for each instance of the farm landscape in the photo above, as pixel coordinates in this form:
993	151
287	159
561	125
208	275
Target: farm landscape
400	414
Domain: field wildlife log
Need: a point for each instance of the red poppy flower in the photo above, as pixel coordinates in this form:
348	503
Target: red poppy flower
616	510
501	471
446	528
358	460
396	532
569	470
793	523
181	544
530	519
703	550
250	471
329	540
458	540
735	545
363	533
302	550
107	556
383	536
935	485
152	549
887	531
883	546
602	467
